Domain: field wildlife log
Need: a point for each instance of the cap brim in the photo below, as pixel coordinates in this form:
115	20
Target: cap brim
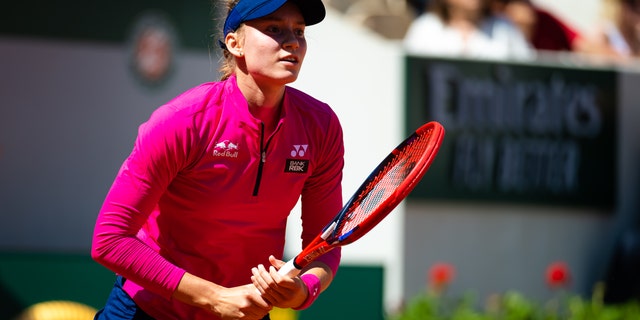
313	11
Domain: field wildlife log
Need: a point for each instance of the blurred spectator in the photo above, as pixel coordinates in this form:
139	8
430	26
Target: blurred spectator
418	5
543	29
465	28
618	36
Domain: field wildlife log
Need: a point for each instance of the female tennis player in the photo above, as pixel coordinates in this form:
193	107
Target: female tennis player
194	223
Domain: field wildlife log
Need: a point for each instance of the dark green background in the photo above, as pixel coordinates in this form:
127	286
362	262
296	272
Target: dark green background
107	21
29	278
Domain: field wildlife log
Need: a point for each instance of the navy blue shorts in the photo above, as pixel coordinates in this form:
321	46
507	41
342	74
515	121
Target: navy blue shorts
120	306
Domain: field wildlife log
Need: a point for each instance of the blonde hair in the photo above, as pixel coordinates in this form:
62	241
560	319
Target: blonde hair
228	63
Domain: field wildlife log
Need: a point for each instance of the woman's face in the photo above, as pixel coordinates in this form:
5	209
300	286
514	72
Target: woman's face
274	46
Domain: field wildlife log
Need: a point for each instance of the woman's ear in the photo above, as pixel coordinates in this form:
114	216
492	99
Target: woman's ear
232	41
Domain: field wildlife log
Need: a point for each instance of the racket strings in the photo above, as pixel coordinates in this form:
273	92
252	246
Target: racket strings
384	184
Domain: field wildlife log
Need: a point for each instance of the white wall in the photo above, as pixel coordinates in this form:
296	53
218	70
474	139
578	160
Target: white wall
496	248
68	117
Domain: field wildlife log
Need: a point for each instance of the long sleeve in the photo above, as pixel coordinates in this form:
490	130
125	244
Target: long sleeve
118	240
322	194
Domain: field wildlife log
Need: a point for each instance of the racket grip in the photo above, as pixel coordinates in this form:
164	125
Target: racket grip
289	269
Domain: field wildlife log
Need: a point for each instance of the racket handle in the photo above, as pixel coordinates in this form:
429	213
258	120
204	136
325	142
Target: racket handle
289	269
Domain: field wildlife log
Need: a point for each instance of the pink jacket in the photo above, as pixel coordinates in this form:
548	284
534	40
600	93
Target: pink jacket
194	195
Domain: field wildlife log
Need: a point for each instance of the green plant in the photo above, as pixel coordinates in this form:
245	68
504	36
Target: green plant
435	304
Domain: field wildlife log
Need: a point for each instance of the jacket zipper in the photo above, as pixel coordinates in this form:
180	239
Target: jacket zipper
264	145
263	158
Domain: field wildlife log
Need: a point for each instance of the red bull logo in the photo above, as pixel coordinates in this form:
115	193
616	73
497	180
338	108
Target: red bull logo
226	148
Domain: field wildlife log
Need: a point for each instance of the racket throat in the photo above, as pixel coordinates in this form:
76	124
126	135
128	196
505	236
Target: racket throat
328	231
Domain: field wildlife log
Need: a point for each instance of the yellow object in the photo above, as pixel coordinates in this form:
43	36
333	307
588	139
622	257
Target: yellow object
69	310
58	310
283	314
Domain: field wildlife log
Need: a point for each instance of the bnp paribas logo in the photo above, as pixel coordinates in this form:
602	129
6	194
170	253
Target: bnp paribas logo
226	149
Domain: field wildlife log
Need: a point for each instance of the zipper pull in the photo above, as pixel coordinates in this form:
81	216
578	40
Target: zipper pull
264	156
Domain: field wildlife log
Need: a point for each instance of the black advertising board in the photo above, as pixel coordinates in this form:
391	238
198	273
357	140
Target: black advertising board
516	132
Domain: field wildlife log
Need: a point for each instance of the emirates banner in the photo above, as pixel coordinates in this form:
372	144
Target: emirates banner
538	134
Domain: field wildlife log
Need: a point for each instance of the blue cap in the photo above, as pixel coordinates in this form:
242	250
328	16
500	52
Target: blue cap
313	11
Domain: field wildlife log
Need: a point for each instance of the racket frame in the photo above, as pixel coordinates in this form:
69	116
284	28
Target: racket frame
327	240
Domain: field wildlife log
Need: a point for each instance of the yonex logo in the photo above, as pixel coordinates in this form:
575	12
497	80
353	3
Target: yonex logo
226	148
299	150
297	165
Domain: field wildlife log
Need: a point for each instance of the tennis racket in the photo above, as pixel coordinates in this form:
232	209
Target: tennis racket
391	181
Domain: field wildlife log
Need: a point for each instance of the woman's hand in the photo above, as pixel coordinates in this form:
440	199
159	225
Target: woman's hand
241	302
236	303
279	290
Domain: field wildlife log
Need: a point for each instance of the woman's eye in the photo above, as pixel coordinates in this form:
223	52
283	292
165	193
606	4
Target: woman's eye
273	29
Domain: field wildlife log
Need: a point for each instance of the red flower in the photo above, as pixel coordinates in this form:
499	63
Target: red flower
558	275
440	275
